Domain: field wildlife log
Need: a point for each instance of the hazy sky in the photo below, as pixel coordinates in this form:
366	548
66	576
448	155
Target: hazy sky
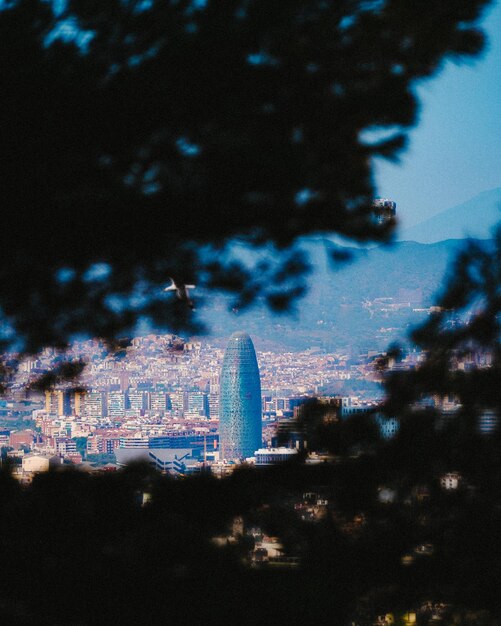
455	151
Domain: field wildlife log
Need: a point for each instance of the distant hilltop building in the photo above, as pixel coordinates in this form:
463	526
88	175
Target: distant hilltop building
240	430
384	210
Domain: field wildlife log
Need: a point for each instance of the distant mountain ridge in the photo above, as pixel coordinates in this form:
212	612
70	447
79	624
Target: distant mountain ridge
376	298
384	270
343	307
474	218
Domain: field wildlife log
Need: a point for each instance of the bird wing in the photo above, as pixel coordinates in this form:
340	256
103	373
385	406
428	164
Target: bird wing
172	286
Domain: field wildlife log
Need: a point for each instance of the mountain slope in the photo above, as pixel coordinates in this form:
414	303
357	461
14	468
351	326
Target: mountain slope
474	218
343	306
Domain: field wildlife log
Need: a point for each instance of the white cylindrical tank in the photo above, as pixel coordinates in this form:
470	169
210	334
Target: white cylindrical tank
35	464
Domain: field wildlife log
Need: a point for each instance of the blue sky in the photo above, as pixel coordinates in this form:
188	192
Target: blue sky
455	150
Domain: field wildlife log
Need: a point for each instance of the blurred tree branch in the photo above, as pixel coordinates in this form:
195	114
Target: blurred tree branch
142	138
466	322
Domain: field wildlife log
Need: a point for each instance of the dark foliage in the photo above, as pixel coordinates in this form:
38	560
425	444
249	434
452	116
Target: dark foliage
466	328
140	138
82	549
60	373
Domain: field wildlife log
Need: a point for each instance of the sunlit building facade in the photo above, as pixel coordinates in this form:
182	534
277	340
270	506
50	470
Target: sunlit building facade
240	399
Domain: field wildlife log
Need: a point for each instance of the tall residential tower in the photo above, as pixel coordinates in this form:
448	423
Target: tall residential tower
240	399
384	210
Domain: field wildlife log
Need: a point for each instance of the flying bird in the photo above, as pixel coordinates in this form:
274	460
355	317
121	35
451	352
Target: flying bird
182	292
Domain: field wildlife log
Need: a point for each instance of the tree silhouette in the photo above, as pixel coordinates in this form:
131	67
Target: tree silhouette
464	328
141	138
417	544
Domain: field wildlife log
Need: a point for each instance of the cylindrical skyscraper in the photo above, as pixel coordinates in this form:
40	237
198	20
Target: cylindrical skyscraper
240	399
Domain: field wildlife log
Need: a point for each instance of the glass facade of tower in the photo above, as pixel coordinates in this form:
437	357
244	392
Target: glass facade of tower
240	400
